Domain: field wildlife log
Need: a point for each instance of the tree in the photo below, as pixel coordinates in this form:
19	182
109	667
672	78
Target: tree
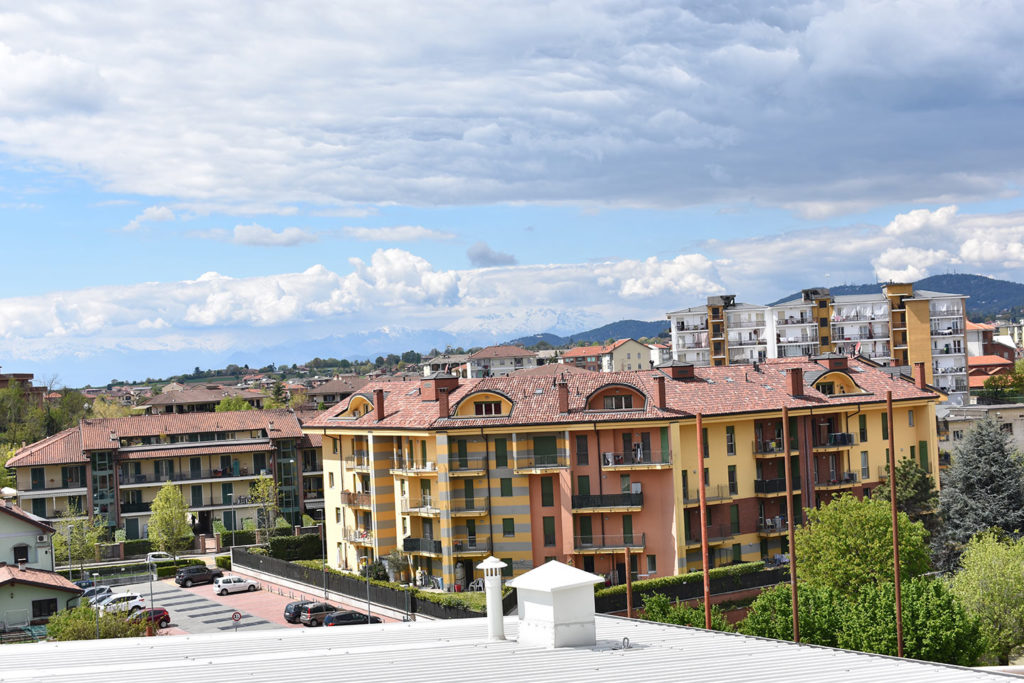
75	537
263	493
821	614
990	586
101	407
983	488
7	478
278	391
232	403
915	491
936	627
848	544
169	528
80	624
658	607
297	400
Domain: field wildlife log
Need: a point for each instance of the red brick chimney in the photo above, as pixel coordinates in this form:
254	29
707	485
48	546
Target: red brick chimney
659	391
795	381
919	375
442	402
563	397
378	404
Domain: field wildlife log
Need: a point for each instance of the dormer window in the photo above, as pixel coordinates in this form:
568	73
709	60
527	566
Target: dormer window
487	408
827	388
618	402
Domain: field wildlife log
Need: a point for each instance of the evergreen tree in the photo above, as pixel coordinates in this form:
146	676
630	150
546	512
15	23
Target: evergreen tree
983	488
915	491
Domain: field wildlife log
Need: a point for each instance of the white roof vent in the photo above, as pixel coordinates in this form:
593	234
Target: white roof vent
556	606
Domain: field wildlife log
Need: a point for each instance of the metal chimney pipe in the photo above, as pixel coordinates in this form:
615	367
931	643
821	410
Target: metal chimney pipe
492	567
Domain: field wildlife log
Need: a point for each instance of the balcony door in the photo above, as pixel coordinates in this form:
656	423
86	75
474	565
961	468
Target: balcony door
428	529
195	468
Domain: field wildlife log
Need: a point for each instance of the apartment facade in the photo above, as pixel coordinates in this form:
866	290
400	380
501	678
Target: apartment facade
497	361
113	468
592	467
896	326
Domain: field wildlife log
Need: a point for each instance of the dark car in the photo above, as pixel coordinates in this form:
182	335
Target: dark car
155	615
313	614
85	583
292	609
187	576
346	617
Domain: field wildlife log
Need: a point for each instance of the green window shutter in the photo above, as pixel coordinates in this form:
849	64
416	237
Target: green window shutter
583	485
549	531
664	444
506	487
862	423
627	529
500	453
506	571
467	491
624	484
704	436
508	526
547	491
730	440
737	552
885	426
586	530
923	453
544	445
734	518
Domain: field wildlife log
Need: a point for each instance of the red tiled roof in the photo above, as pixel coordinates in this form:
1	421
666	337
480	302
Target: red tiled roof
714	391
505	351
201	394
313	440
27	517
342	385
63	448
96	433
979	326
36	577
551	369
987	360
583	351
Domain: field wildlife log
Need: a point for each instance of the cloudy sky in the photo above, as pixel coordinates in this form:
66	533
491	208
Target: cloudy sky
207	180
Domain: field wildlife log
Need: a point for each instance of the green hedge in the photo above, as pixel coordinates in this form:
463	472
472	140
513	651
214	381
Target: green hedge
129	568
139	546
663	582
304	547
223	561
238	538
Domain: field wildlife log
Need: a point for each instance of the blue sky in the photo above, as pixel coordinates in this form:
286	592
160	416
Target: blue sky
189	183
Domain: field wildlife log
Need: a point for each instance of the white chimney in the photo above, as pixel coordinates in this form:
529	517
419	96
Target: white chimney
492	567
556	606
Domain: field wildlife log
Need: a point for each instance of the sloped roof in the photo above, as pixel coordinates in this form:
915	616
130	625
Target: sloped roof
199	394
12	510
987	360
63	448
36	577
96	433
579	351
552	370
980	326
501	351
341	385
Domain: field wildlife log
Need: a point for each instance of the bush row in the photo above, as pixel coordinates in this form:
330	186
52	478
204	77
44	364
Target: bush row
664	582
305	547
223	561
139	546
131	568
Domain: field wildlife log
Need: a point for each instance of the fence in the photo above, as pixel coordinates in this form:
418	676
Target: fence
351	586
695	589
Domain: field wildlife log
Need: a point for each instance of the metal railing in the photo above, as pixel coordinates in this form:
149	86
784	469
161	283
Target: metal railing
54	487
531	461
835	440
716	532
356	499
607	500
468	505
421	545
633	458
469	465
711	493
634	540
358	535
767	447
135	507
185	475
773	485
840	479
414	466
422	503
471	545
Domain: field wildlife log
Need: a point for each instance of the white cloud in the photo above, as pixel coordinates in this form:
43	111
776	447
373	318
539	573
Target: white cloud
482	256
907	264
257	235
919	219
153	214
399	233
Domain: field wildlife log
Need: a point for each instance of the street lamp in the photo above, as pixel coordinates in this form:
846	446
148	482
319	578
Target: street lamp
96	608
323	536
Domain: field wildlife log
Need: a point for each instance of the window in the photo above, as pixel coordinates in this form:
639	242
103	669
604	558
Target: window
822	322
704	438
827	388
862	423
913	452
923	452
549	531
865	472
885	427
734	519
44	608
20	554
463	454
958	434
730	440
506	486
733	486
487	408
330	479
624	483
508	527
547	491
545	446
737	552
1006	427
707	477
582	450
500	453
627	529
583	485
652	564
618	402
910	418
586	531
337	515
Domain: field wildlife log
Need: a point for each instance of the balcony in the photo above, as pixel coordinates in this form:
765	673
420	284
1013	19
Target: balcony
468	547
608	501
141	480
468	507
835	440
644	460
683	326
596	543
838	480
70	489
360	461
356	500
694	344
738	343
772	526
540	464
358	536
946	313
411	468
945	460
717	533
771	487
129	508
946	331
714	493
313	494
423	546
770	447
472	467
420	506
795	320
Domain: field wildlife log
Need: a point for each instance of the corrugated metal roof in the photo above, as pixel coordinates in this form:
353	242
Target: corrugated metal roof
431	651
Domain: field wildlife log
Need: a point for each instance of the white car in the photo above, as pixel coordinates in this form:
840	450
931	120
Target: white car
234	584
157	557
122	602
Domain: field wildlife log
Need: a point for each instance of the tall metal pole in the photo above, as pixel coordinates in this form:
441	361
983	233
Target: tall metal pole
895	529
323	536
790	522
703	521
368	587
629	588
96	607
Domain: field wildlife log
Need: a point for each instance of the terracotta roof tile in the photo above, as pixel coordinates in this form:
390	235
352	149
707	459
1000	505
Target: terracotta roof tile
96	433
341	385
63	448
578	351
551	369
987	360
36	577
501	351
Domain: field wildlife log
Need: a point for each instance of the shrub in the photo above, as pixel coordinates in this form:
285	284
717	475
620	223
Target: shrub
376	570
219	528
139	546
304	547
657	607
821	614
282	530
223	561
120	535
308	521
259	551
664	582
80	624
230	538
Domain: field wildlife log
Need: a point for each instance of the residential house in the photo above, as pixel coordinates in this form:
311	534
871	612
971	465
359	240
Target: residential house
954	421
980	368
625	355
590	467
201	398
451	363
330	393
982	340
585	357
496	361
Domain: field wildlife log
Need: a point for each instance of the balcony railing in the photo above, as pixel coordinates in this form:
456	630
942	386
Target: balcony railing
596	541
774	485
308	494
135	507
421	545
360	460
468	505
641	457
422	504
835	440
536	461
711	493
355	499
691	327
414	467
456	466
607	500
795	320
767	447
715	532
358	535
772	525
185	475
473	544
838	479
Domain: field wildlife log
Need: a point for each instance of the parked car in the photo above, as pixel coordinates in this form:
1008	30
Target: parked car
347	617
313	614
292	609
156	615
85	583
96	594
234	584
122	602
157	557
188	576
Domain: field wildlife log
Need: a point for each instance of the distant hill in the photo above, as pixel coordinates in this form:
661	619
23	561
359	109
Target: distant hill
989	297
621	329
